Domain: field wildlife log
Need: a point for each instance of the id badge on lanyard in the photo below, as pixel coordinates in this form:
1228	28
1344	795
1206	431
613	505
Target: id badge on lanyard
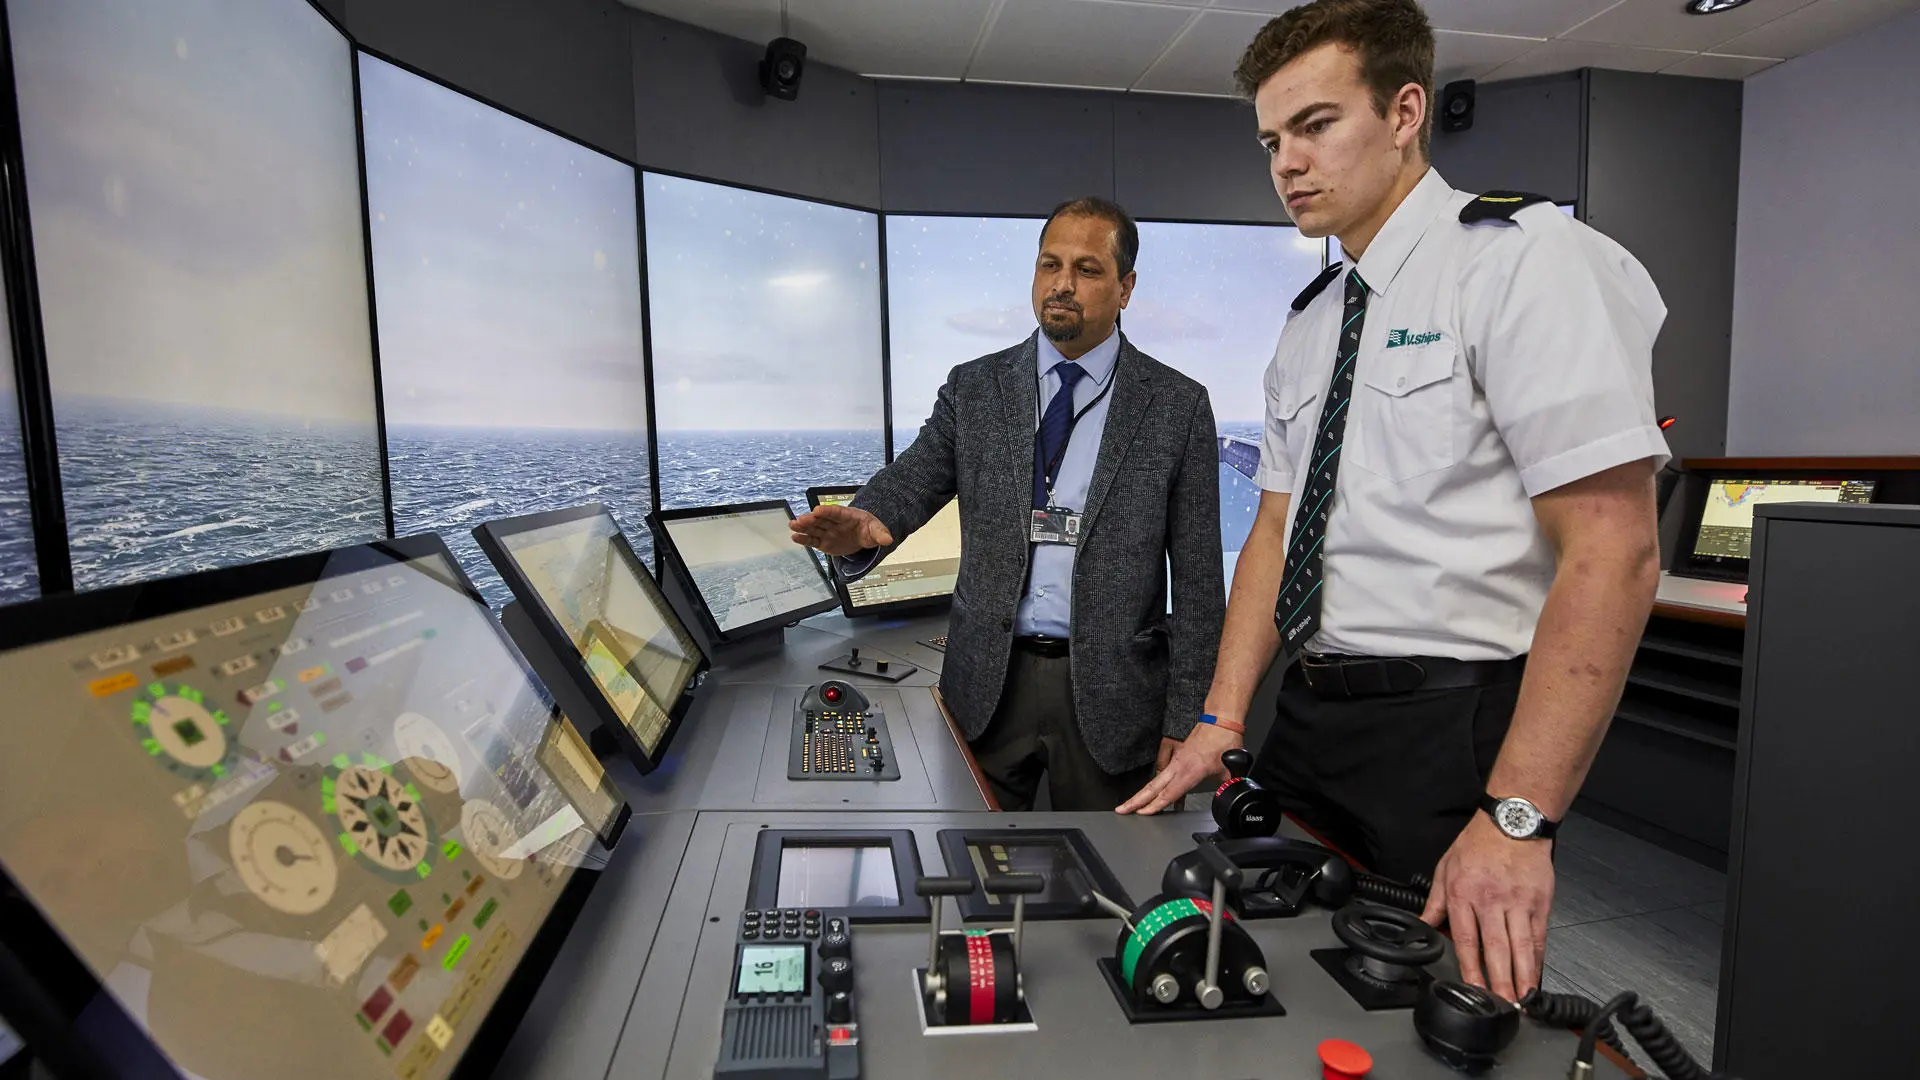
1055	525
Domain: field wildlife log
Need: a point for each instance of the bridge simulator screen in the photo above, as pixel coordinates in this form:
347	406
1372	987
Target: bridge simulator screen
747	567
308	832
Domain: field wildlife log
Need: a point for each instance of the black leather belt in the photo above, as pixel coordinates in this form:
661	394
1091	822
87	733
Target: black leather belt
1371	676
1040	645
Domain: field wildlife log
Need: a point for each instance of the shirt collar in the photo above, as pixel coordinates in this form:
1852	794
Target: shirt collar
1403	230
1097	363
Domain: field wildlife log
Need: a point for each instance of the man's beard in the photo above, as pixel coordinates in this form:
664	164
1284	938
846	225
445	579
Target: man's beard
1062	326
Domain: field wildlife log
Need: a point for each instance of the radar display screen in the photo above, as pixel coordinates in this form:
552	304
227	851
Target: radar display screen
298	819
923	567
576	569
1726	518
744	565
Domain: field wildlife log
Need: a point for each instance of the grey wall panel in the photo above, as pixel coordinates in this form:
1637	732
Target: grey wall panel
992	149
698	108
1179	157
1663	169
1824	322
565	63
1525	137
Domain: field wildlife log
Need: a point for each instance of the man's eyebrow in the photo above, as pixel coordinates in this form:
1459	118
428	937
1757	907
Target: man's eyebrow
1299	118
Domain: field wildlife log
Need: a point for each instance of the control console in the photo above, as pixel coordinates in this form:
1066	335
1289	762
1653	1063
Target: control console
791	1016
839	734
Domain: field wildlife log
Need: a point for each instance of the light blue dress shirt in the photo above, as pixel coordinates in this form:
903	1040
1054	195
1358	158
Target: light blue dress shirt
1048	606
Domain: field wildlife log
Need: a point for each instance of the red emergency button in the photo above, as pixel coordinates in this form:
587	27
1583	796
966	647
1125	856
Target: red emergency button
1342	1060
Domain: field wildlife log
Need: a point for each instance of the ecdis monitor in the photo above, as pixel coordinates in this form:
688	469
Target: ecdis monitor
746	572
1722	520
603	617
919	573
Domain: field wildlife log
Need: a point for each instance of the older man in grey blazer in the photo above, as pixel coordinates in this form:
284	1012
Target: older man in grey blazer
1084	469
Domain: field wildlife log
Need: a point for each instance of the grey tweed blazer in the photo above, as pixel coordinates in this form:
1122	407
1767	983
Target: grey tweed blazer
1154	500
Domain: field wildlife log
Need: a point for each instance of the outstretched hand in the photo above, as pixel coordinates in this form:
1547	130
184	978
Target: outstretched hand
1196	759
840	530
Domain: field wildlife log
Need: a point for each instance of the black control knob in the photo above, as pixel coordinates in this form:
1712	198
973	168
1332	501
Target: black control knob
853	659
1238	762
836	975
835	945
840	1008
1241	807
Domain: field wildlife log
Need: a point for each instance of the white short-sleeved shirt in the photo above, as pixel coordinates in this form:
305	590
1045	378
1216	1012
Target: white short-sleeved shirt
1499	360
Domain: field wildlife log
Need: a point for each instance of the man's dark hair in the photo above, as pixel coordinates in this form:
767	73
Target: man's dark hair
1126	235
1393	38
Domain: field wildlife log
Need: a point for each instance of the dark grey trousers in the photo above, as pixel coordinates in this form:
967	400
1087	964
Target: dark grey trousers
1034	733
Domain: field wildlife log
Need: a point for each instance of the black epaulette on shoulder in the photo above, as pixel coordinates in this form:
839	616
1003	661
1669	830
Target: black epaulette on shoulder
1307	294
1498	206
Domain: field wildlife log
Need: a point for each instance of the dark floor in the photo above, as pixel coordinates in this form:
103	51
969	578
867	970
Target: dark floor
1628	915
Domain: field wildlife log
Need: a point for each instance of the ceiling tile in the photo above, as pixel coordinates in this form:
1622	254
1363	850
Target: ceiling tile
1716	66
1557	56
753	20
1666	24
1098	43
886	37
1519	18
1472	56
1816	26
1203	59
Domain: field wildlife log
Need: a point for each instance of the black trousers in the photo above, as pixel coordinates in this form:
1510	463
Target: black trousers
1034	732
1391	780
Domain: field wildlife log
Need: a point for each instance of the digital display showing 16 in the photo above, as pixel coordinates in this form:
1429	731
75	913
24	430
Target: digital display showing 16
772	969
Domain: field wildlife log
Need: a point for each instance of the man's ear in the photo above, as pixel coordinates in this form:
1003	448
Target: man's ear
1126	287
1409	114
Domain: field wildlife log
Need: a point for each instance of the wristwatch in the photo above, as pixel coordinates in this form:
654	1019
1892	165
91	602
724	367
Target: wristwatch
1519	818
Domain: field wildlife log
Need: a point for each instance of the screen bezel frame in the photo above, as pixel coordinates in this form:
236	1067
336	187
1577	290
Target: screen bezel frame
917	605
663	544
763	885
491	536
974	906
62	615
1725	568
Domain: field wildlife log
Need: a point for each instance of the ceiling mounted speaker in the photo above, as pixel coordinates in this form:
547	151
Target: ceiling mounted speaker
780	70
1456	106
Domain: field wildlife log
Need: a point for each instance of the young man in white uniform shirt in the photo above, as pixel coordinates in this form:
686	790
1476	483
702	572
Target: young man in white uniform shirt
1456	546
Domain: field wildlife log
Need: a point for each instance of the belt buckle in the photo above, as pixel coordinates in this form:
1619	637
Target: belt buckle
1316	666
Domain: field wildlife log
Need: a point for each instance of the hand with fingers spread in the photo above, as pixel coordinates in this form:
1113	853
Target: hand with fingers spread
1495	892
1196	760
840	530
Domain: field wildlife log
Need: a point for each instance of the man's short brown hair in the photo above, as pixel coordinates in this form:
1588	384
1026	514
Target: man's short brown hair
1392	37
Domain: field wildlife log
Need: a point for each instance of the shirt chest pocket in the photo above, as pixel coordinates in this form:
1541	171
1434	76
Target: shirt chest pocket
1405	408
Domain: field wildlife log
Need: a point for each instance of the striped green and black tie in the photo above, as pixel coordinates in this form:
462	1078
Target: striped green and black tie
1297	610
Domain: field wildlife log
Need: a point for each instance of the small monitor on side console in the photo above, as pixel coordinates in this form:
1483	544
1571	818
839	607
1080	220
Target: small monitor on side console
918	575
746	575
863	875
595	626
297	819
1719	527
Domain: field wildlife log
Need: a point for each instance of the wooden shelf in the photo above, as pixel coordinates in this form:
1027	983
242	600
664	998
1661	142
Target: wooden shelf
1675	723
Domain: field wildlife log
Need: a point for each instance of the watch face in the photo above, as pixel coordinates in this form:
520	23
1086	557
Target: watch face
1517	818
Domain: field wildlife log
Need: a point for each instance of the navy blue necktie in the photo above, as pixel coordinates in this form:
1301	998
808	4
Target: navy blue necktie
1054	428
1297	611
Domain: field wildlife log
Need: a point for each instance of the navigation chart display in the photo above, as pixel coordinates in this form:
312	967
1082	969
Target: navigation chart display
1726	520
586	579
744	564
924	566
304	831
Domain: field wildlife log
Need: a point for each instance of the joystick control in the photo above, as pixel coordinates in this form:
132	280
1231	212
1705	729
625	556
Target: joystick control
1242	807
1464	1025
1387	950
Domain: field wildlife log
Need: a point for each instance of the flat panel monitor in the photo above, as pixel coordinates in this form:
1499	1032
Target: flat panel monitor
291	819
866	875
746	573
604	618
920	573
1719	528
